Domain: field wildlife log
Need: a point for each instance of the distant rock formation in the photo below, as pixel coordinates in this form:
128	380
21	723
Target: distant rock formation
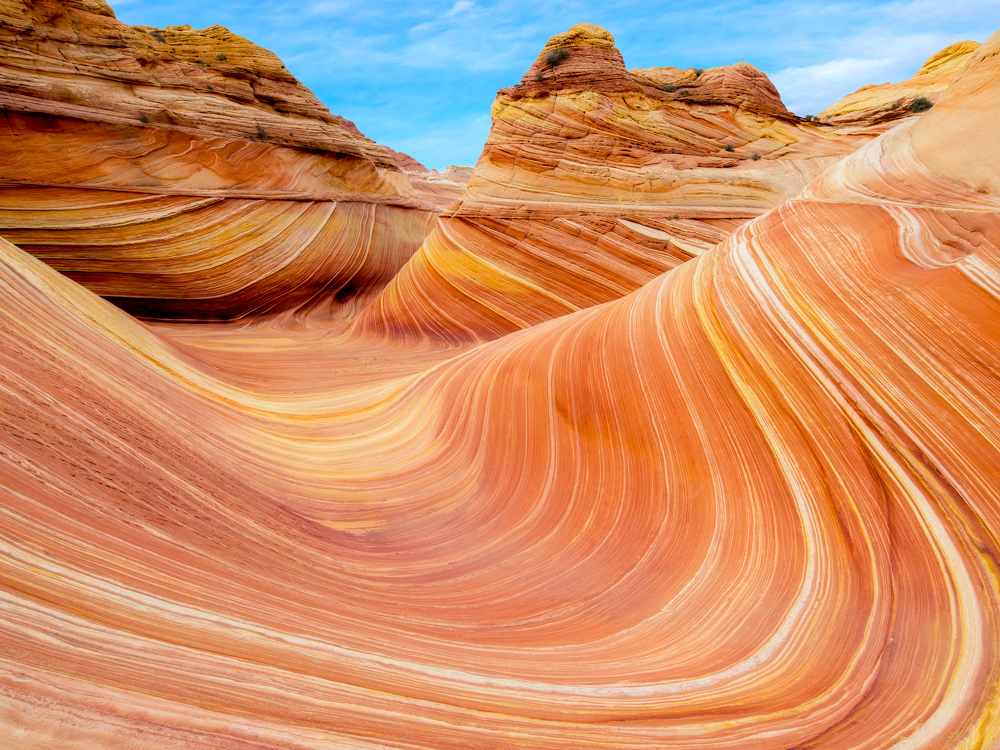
596	179
890	101
169	137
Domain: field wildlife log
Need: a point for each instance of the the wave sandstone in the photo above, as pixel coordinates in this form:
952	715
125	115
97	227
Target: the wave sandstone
169	137
751	504
595	180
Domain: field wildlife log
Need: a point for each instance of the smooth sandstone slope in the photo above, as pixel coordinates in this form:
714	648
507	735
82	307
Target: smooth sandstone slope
197	178
751	505
596	179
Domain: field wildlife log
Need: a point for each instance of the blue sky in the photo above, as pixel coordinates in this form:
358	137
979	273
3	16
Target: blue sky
420	75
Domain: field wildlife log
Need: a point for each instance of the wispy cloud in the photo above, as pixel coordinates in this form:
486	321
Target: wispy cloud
807	89
460	6
930	10
415	74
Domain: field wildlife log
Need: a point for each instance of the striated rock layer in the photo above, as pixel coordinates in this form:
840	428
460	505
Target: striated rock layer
752	504
596	179
197	177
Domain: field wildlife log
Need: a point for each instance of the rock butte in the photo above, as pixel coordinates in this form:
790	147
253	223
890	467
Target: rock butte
750	504
595	180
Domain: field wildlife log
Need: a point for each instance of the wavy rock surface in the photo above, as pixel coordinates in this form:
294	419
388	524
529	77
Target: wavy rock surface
171	137
595	180
751	505
889	101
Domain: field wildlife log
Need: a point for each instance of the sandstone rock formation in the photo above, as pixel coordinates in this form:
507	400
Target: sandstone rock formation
889	101
440	189
170	137
596	179
751	504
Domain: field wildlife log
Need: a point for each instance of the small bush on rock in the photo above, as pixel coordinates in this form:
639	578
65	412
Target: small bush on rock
556	56
755	156
729	147
921	104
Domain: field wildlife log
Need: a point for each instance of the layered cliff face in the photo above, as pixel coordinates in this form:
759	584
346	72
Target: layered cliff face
751	505
169	137
596	179
889	101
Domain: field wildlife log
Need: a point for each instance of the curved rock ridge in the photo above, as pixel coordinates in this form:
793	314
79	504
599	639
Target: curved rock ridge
195	258
596	179
891	100
197	177
752	504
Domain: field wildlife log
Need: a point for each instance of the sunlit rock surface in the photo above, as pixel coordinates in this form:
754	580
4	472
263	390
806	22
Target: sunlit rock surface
889	101
752	504
595	180
196	178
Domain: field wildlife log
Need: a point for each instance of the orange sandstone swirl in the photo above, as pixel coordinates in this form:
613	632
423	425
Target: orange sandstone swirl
750	505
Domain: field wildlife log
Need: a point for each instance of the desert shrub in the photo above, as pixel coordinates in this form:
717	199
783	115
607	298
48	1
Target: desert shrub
221	57
143	118
261	133
158	36
755	156
556	56
729	147
921	104
670	88
698	72
682	92
676	216
894	105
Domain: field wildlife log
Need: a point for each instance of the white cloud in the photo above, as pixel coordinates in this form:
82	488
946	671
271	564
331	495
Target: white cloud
327	8
460	6
808	89
811	88
951	11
